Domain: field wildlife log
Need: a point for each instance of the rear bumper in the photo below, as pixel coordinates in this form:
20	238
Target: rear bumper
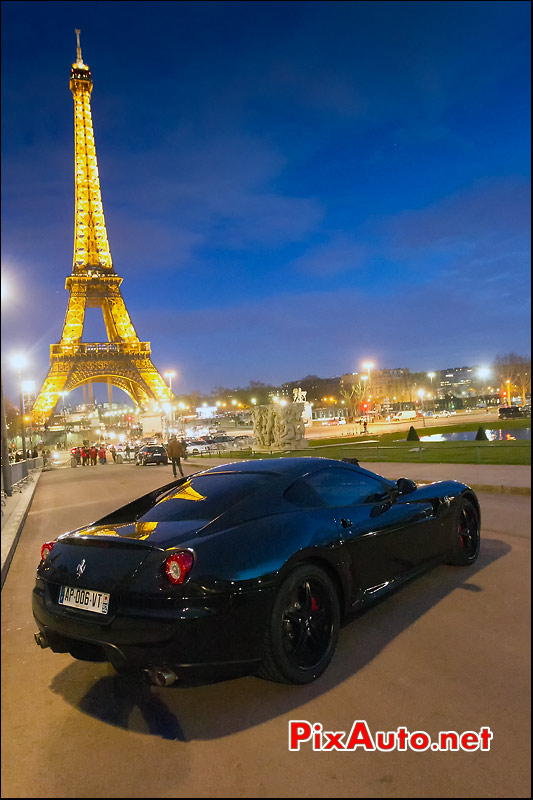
209	636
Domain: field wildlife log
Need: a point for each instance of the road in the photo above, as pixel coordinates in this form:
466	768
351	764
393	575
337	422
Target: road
321	431
448	652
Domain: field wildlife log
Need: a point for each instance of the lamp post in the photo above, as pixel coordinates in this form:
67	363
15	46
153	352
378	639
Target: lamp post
421	395
508	382
28	387
63	395
6	471
19	362
368	365
170	375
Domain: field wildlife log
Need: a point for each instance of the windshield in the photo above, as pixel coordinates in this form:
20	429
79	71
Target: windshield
205	497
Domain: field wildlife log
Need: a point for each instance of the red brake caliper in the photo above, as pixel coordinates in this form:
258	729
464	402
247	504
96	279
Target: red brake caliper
462	538
314	606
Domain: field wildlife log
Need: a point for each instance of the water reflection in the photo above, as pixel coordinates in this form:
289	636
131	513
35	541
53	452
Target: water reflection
493	435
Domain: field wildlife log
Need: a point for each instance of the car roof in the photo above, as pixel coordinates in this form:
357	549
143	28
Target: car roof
281	466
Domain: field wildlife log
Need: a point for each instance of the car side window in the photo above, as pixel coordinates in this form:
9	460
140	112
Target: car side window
302	494
343	487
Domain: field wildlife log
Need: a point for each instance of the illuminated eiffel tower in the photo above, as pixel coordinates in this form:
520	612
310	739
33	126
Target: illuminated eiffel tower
123	360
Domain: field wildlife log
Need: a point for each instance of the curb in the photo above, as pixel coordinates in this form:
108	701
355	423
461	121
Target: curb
18	521
491	487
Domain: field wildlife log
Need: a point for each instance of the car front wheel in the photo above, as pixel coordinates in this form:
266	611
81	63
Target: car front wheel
465	538
303	630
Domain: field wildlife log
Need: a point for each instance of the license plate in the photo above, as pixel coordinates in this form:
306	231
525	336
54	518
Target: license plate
86	599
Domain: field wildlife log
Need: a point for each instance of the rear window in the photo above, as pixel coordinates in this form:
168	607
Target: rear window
205	497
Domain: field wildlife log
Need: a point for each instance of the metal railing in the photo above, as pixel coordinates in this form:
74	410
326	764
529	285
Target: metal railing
20	474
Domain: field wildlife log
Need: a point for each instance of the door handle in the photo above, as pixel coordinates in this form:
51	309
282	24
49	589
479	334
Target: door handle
346	523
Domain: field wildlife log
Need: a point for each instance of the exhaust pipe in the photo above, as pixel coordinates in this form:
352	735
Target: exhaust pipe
159	676
41	640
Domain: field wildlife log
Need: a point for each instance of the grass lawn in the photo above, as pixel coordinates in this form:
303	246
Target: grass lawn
386	447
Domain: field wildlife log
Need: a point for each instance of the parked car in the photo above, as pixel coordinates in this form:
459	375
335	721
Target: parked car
245	568
197	447
244	441
403	416
151	454
510	412
221	442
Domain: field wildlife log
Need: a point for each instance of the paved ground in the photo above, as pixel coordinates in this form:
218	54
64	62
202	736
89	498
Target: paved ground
449	651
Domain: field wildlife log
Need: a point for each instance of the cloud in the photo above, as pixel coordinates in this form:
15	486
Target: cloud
340	255
328	333
489	208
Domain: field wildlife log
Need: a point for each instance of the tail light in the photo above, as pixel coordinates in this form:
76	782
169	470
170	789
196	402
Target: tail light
178	566
46	549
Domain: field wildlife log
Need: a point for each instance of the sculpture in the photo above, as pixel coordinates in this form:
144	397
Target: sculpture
278	428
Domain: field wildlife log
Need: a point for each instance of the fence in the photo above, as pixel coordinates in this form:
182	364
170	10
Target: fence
20	471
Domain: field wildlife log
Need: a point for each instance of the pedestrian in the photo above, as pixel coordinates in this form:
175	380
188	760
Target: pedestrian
365	427
93	452
175	453
43	456
127	450
34	453
84	457
113	453
184	448
78	455
102	455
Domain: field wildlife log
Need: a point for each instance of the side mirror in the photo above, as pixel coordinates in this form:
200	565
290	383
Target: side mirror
405	485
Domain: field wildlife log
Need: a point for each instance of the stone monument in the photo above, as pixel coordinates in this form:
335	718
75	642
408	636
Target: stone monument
278	428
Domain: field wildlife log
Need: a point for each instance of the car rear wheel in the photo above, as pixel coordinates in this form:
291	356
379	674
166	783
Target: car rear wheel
465	539
303	630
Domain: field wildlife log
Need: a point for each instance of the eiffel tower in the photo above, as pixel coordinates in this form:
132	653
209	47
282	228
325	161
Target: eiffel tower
123	361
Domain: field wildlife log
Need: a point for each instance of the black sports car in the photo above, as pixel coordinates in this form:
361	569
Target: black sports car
246	567
151	454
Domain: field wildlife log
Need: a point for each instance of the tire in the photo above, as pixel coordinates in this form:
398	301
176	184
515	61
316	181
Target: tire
465	539
303	629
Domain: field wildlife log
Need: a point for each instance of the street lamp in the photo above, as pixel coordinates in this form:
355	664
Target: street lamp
19	361
6	469
171	374
28	388
63	395
368	365
421	395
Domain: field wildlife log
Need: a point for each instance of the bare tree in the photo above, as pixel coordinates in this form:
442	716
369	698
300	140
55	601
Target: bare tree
353	393
514	374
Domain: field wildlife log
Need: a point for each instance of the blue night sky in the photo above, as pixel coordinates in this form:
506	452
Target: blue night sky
289	187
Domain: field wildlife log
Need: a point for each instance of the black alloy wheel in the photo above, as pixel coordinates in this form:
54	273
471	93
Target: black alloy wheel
302	634
466	538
